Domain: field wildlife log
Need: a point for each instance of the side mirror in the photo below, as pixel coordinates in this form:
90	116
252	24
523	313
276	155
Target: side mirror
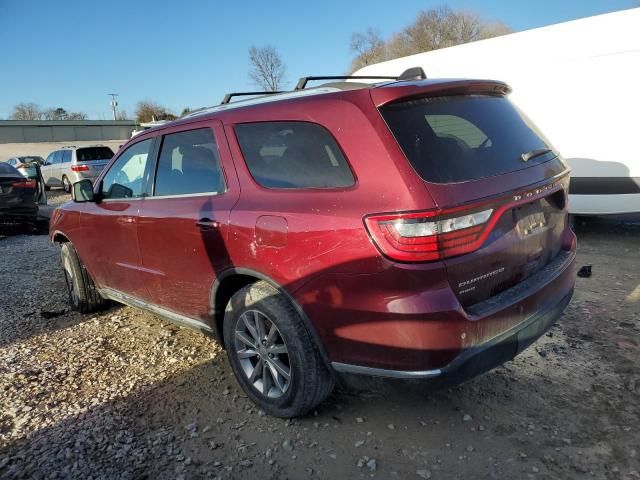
83	191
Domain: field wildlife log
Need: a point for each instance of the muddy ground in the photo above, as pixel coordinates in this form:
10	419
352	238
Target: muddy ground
124	394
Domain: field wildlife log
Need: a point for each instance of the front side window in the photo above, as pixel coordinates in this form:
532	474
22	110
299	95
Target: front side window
57	157
293	155
125	178
189	164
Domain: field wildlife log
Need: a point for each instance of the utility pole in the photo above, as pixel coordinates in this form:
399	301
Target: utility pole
114	104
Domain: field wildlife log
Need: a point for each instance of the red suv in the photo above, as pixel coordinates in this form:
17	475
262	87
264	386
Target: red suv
413	229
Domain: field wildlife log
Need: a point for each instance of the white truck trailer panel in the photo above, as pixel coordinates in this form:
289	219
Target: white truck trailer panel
579	81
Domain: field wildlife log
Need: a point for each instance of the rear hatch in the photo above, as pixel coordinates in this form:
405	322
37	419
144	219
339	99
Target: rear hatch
91	160
499	186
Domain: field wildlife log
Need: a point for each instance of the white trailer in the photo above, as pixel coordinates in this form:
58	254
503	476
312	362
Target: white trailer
579	81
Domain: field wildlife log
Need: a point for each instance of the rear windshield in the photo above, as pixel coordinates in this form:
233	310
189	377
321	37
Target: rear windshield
6	168
90	154
455	139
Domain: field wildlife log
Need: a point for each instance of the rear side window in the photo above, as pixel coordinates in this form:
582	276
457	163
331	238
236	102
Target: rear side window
456	139
93	153
189	164
66	156
293	155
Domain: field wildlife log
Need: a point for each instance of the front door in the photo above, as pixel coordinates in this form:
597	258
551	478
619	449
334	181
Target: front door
183	225
111	224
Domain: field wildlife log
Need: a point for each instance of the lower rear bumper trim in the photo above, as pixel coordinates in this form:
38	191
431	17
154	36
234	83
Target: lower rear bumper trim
477	360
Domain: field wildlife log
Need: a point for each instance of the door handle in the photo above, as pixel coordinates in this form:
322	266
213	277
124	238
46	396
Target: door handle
207	224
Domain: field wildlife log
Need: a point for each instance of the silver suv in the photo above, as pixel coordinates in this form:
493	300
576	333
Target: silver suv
64	167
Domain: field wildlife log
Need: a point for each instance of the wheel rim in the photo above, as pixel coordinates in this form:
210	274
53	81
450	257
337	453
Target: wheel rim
262	354
65	184
68	278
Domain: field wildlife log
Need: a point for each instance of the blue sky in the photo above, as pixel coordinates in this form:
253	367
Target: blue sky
72	53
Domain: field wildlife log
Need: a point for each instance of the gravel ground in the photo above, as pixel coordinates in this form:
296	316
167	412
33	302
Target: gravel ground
124	394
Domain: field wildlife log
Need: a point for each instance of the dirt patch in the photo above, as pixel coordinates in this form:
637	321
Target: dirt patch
124	394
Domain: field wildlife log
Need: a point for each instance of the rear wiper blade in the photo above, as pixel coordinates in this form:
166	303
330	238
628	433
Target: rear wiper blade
525	157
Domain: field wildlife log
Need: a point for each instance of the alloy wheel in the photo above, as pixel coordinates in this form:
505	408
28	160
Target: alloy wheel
262	354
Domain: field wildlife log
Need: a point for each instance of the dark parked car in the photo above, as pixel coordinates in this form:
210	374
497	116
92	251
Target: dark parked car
18	197
414	229
26	165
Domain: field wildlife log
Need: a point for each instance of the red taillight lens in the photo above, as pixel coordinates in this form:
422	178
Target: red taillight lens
24	184
79	168
432	235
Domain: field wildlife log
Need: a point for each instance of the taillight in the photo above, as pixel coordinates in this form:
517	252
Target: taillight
430	235
24	184
79	168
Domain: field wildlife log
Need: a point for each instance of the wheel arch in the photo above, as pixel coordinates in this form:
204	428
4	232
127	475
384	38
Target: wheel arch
233	279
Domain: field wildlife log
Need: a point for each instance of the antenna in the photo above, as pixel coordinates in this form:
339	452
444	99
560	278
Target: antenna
114	104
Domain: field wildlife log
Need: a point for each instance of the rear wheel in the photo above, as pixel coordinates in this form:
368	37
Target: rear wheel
66	185
272	353
83	295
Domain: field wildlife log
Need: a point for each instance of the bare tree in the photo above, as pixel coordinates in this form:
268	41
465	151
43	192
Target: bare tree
267	70
148	111
433	29
122	114
369	48
27	111
76	116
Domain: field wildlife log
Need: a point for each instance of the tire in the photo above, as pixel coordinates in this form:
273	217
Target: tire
47	187
310	382
66	186
83	295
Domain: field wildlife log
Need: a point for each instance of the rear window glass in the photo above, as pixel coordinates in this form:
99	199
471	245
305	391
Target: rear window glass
93	153
293	155
6	168
455	139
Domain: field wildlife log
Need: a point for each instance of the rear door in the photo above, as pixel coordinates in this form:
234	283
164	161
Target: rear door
183	226
65	166
478	155
110	242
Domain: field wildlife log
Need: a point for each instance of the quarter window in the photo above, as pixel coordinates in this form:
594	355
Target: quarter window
189	163
126	176
293	155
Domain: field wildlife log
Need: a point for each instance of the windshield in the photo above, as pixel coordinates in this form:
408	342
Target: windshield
460	138
91	154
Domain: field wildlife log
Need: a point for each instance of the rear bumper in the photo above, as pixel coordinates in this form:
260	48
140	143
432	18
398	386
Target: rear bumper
406	322
479	359
18	216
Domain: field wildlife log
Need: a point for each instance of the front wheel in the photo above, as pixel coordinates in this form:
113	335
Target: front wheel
272	354
83	295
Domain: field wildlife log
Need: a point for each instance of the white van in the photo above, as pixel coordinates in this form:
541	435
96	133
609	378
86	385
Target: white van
578	81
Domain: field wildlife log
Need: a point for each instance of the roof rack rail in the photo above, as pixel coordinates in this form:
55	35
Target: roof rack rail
227	98
414	73
303	81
